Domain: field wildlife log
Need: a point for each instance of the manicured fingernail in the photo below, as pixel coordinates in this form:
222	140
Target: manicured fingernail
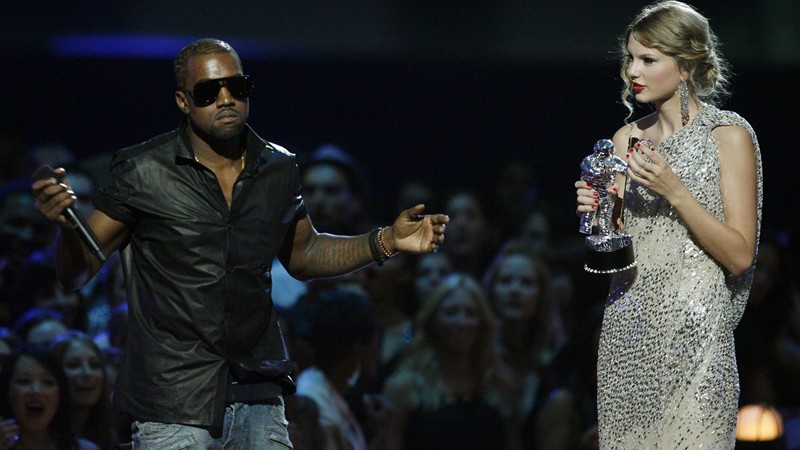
596	201
628	155
638	144
596	194
593	206
630	150
588	184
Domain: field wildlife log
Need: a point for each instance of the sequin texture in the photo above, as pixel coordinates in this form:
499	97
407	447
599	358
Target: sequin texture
667	375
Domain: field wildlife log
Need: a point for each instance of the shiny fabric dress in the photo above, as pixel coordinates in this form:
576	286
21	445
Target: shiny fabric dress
667	376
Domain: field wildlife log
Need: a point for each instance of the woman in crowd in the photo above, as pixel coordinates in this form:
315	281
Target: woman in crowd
451	389
667	375
85	369
517	284
39	326
429	271
470	234
35	404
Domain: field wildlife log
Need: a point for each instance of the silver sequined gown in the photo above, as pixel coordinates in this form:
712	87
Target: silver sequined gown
667	375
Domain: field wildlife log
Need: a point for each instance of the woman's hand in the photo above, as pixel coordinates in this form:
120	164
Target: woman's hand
647	167
587	197
9	433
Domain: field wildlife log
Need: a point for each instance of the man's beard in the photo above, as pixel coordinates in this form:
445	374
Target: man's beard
226	134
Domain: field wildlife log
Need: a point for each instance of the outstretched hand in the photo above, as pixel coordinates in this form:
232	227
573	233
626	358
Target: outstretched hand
416	233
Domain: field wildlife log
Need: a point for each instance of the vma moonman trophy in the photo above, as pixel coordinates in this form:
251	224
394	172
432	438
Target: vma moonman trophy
609	251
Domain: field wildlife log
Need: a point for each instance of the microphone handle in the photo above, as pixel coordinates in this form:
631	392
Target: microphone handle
75	220
85	232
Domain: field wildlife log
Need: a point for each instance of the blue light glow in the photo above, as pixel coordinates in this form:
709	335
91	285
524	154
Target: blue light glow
150	46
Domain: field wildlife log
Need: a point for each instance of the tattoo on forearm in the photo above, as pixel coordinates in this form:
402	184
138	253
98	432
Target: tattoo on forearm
337	255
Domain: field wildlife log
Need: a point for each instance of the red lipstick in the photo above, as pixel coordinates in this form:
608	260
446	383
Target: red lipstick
637	88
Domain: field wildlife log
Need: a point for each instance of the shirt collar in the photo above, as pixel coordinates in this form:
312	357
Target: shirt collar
257	148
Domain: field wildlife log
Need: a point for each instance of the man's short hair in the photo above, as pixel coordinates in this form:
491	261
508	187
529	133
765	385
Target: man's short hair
205	46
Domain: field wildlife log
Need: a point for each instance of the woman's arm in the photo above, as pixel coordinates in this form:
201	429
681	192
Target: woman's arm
731	242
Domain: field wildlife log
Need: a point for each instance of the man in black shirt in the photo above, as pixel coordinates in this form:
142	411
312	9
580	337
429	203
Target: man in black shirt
199	214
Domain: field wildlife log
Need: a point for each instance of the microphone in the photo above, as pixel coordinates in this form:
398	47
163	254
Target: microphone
75	220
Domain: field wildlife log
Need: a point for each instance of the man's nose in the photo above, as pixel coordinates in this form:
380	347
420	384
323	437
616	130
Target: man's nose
225	97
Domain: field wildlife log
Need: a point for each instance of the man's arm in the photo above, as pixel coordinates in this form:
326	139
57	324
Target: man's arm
308	254
75	262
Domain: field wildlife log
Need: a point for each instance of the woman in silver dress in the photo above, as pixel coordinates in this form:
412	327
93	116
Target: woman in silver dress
667	375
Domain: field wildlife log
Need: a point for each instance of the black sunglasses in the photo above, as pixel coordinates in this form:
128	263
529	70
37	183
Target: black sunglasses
206	92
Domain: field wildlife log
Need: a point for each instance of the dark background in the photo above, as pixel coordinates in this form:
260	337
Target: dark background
445	91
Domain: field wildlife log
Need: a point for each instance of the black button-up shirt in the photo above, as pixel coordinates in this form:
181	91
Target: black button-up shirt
197	274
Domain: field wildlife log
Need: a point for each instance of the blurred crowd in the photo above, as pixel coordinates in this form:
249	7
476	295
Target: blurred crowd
491	339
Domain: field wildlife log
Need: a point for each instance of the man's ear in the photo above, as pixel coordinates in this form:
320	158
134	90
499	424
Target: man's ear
182	101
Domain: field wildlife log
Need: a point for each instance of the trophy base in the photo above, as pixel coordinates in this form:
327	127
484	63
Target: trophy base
610	261
610	243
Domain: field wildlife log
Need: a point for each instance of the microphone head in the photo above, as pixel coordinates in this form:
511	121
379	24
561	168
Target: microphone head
44	172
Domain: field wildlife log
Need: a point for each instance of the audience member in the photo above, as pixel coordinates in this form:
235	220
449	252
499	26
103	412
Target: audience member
390	288
334	194
22	230
40	326
32	376
565	417
515	193
8	343
768	335
470	242
344	331
536	228
105	293
429	272
414	192
452	389
112	343
54	154
305	430
37	286
573	290
517	285
334	190
84	367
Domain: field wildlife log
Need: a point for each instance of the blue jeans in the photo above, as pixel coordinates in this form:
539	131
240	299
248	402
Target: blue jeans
246	426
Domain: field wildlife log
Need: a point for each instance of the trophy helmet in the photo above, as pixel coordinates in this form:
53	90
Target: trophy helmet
604	147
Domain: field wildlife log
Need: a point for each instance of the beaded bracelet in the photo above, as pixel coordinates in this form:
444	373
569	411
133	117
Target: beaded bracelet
377	246
377	255
384	248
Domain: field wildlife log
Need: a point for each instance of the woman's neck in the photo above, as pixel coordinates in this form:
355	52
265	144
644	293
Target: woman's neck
669	120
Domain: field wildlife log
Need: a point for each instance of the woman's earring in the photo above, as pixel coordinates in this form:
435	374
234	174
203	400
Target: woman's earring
683	91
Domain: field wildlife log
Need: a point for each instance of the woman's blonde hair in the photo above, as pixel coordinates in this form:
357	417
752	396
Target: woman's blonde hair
542	326
680	31
421	361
